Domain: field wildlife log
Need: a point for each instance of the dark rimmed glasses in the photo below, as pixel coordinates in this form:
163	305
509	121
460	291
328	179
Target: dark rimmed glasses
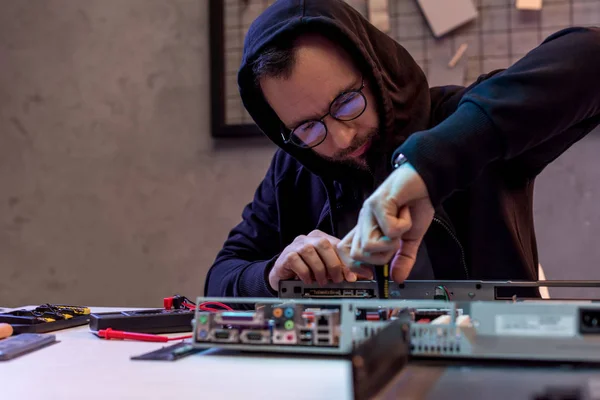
346	106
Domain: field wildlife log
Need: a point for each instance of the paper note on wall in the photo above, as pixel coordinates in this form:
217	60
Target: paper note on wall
443	16
379	14
529	4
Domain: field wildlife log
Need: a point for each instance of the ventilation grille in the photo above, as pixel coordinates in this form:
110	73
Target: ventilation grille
363	331
432	339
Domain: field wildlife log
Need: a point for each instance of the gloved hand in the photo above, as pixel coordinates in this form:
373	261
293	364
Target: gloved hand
392	223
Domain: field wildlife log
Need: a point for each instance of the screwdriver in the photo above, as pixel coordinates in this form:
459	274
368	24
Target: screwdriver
382	278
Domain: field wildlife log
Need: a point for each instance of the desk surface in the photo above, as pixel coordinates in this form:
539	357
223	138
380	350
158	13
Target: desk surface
85	366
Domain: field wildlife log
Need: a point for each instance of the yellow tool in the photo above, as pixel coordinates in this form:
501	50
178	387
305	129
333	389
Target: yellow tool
5	330
382	277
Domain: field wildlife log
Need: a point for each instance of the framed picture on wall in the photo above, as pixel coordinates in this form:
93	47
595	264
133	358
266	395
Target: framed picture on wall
229	21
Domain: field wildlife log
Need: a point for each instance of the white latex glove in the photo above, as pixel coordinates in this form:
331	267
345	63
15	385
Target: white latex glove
392	223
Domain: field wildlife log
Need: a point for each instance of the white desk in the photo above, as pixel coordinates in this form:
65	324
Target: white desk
83	366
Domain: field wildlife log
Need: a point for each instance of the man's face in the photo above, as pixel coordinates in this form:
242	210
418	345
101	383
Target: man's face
322	72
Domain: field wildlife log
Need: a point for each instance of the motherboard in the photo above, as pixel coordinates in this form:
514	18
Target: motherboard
307	326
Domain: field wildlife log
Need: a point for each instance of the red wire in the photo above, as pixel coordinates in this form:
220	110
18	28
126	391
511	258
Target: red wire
112	334
145	337
203	306
181	337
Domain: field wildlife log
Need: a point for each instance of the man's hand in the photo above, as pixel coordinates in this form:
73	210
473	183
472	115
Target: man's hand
314	258
392	223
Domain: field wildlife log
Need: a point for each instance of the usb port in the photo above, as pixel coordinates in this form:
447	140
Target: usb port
306	334
589	321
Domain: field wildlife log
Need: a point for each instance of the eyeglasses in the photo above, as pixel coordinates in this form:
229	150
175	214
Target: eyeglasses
345	107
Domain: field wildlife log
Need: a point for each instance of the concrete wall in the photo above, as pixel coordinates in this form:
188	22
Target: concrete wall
111	189
567	213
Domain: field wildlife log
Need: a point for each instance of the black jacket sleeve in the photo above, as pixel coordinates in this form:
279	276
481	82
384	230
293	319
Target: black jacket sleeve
241	267
531	112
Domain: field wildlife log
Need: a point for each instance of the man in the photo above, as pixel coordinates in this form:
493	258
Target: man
346	104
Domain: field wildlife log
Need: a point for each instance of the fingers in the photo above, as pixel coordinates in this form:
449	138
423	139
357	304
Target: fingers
318	254
312	259
346	241
404	260
296	264
378	258
320	257
369	245
320	234
349	275
387	213
356	248
332	264
362	271
393	223
381	244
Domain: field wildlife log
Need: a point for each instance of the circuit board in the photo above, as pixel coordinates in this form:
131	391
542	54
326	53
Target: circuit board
542	331
455	290
307	326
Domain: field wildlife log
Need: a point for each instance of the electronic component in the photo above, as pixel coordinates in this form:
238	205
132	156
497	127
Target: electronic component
144	321
427	289
307	326
296	289
533	331
24	343
46	318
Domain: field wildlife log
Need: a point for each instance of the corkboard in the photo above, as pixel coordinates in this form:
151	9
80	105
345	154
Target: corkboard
499	37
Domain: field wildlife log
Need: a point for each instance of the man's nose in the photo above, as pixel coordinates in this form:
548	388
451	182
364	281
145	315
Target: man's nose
341	133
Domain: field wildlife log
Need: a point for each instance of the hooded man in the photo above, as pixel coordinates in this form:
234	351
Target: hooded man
438	180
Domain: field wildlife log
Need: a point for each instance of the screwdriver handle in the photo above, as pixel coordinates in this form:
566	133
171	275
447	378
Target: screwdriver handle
112	334
382	277
5	330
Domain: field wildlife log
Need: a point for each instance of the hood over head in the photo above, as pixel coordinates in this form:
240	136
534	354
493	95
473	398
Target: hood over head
396	80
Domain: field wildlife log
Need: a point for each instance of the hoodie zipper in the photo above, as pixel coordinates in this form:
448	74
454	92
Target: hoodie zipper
453	236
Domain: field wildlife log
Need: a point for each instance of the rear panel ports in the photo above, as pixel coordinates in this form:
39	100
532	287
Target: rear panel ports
255	336
225	335
589	321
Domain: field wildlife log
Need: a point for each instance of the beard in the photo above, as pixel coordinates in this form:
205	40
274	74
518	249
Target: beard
358	163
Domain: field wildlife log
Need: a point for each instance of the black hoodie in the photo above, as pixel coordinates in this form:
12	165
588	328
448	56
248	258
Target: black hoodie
478	149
